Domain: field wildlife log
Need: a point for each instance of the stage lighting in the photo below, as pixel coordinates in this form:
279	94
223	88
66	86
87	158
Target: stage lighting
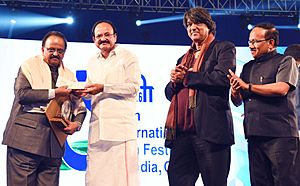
170	18
29	20
11	27
158	20
13	21
69	20
288	27
192	3
298	25
249	26
138	22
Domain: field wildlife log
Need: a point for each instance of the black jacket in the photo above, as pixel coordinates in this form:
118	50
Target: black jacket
212	117
272	116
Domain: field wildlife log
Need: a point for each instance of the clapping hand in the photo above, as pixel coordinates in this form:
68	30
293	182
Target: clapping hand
178	74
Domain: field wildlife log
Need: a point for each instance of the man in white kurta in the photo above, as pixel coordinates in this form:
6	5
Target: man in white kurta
113	82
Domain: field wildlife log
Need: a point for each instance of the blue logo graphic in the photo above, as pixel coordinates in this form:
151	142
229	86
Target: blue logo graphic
145	88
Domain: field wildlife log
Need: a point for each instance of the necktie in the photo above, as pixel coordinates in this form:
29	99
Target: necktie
54	74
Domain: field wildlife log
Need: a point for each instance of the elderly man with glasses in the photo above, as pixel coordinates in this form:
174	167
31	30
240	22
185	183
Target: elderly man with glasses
34	152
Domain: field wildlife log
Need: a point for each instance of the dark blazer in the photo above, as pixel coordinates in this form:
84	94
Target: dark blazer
31	132
212	115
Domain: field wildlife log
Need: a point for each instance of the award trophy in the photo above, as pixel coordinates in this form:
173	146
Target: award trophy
57	112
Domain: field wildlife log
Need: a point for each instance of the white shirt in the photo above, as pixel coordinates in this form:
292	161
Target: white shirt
113	110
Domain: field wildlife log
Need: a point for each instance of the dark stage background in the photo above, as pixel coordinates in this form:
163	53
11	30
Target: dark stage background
229	27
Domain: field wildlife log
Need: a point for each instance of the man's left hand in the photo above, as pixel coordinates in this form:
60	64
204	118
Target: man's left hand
71	128
93	88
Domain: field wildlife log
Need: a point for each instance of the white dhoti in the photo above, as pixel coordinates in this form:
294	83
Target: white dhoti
112	163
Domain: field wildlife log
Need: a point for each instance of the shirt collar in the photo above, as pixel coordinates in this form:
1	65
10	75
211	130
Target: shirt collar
115	51
266	56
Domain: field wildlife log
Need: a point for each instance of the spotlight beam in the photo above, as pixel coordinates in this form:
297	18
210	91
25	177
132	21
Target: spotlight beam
192	3
160	20
28	20
280	27
289	27
180	17
170	18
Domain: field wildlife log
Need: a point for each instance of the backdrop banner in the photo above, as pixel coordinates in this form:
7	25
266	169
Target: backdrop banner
156	62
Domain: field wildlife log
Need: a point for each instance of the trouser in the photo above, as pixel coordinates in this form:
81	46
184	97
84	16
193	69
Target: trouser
28	169
298	165
191	156
112	163
272	161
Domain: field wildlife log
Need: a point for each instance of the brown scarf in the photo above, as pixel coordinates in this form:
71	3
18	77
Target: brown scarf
190	61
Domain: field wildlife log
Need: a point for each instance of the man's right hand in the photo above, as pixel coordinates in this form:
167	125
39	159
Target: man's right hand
178	74
62	92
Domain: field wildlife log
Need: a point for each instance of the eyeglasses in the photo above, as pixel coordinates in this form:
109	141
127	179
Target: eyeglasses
105	35
58	50
254	41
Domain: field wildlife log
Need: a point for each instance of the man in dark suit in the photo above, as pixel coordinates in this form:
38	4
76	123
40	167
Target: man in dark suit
267	86
33	151
201	130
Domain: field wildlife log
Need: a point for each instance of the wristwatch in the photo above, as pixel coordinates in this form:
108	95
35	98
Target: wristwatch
250	87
